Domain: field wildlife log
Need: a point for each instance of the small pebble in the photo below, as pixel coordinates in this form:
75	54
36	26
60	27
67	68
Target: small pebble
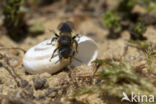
24	83
40	83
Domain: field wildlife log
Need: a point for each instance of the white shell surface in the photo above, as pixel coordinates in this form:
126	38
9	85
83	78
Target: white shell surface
36	59
87	51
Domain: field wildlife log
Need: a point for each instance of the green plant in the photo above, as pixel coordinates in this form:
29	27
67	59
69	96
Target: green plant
116	78
149	5
112	21
149	50
139	28
86	89
127	5
137	31
150	56
152	7
141	45
14	20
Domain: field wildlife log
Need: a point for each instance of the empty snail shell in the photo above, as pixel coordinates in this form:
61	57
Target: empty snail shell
36	59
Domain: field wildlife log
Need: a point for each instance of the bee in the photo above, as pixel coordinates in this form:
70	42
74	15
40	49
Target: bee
66	43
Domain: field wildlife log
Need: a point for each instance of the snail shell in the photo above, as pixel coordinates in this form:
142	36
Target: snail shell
36	59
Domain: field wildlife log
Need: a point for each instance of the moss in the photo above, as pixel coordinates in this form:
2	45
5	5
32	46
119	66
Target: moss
137	31
149	50
85	90
152	7
116	78
14	20
142	45
139	28
122	78
112	21
127	5
149	5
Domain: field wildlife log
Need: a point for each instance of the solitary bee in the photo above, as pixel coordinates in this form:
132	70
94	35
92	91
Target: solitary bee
65	42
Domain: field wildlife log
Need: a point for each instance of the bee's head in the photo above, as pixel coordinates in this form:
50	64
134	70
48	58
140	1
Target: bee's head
65	27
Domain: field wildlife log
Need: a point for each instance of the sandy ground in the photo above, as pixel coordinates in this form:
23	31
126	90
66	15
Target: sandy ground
10	92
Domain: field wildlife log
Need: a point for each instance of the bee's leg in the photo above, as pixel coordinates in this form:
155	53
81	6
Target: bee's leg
60	58
53	39
56	35
77	35
76	46
53	54
73	53
70	59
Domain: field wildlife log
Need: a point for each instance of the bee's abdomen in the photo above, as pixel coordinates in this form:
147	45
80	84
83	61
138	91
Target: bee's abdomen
65	52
